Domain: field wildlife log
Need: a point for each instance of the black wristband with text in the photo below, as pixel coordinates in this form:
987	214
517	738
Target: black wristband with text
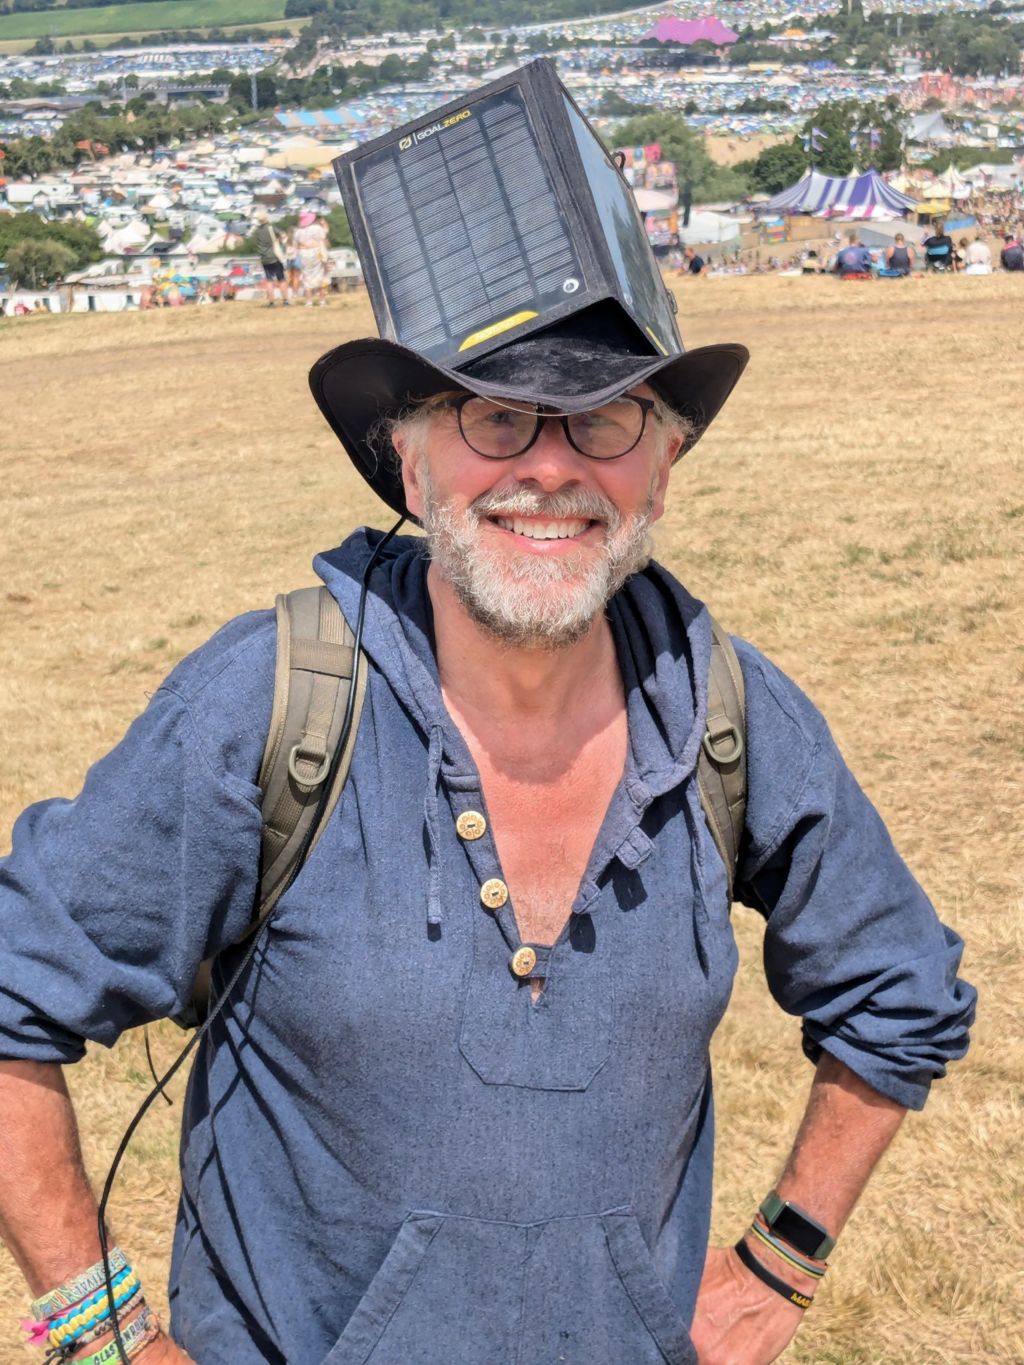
755	1267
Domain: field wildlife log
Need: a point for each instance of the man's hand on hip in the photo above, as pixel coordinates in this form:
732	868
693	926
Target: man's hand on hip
739	1320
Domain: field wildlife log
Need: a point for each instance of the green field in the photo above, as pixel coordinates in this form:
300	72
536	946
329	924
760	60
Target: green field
73	23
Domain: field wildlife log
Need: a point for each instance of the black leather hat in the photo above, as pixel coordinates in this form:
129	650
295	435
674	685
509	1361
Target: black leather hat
573	366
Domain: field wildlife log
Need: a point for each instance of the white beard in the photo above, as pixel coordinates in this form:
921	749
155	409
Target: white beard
528	599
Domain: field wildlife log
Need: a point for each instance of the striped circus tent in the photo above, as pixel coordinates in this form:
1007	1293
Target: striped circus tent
835	196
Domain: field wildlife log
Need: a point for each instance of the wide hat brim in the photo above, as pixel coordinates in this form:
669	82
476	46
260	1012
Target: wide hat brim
360	384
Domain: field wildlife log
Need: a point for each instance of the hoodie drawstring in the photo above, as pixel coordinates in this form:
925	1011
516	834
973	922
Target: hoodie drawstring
432	817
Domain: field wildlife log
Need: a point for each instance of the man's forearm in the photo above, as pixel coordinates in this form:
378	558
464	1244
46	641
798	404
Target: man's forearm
47	1209
845	1130
48	1213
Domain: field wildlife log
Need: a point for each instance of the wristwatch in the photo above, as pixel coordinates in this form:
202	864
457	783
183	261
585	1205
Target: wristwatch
795	1226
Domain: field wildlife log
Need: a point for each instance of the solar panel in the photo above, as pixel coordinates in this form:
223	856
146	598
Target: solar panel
495	217
466	226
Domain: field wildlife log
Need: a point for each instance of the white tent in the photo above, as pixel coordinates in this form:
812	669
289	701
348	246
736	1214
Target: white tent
708	227
950	185
929	128
991	175
207	241
21	191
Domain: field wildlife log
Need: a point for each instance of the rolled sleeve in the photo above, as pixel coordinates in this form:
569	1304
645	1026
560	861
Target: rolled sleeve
109	902
852	946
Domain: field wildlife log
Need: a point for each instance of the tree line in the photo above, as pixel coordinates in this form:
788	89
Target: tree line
36	252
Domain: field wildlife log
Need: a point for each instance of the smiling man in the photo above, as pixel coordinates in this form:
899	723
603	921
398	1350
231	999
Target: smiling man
458	1107
583	536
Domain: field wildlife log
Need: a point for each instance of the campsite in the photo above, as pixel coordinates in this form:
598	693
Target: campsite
856	511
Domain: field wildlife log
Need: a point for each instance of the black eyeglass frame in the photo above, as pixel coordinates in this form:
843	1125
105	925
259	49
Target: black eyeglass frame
546	413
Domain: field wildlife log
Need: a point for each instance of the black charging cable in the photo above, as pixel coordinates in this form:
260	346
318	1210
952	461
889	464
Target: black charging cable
257	938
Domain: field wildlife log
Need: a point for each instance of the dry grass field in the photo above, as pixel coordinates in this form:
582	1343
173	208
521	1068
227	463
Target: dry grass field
857	511
727	149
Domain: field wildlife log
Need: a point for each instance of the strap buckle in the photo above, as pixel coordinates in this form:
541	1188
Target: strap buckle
308	780
711	743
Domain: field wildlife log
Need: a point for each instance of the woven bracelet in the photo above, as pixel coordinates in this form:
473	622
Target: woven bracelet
755	1267
73	1327
97	1329
59	1300
87	1305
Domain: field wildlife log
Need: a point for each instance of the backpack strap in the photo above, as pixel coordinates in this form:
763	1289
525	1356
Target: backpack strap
312	682
722	764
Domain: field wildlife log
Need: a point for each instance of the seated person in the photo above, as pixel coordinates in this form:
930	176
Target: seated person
978	258
1012	255
938	249
853	261
899	258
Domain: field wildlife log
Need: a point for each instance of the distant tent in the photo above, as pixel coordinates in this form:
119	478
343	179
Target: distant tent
928	128
711	228
951	184
208	241
690	31
834	196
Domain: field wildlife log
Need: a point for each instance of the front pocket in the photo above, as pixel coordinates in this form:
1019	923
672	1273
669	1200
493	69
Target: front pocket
448	1290
578	1291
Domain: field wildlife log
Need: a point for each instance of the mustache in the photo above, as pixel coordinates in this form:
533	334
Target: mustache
567	503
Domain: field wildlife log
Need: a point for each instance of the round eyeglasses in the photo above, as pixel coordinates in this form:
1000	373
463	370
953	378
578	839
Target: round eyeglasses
500	431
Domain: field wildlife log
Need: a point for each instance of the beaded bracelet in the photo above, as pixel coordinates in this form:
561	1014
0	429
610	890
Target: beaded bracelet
58	1300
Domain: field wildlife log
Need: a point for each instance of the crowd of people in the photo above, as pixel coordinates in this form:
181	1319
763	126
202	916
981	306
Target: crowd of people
170	287
938	253
985	250
295	264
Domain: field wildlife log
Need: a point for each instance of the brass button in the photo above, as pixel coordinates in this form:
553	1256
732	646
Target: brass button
523	961
494	893
470	825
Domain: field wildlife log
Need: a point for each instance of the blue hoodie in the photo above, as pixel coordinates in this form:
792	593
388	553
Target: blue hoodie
390	1152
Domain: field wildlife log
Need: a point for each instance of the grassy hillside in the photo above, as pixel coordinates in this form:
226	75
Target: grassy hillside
73	23
856	511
